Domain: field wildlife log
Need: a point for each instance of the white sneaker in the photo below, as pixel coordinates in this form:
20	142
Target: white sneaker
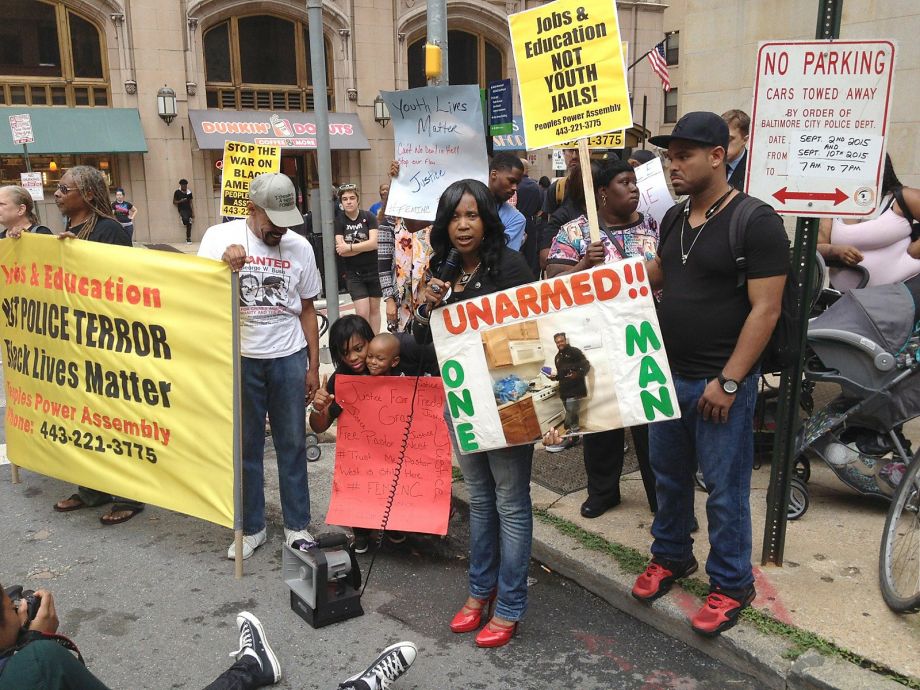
290	536
250	543
393	661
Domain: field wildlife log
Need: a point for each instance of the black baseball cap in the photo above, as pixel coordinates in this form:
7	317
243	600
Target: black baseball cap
700	127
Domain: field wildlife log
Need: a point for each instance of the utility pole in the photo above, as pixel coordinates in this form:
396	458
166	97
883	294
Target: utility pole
787	416
436	46
323	155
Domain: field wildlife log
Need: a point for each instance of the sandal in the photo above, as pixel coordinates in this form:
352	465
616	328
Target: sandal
77	504
128	512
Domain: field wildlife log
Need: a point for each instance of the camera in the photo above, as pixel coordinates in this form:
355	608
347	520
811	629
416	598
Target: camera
17	594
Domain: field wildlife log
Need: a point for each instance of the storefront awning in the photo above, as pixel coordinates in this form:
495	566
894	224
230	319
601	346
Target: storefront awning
289	130
76	130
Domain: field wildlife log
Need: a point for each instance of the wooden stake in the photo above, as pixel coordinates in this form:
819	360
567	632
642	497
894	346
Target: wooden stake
14	476
587	179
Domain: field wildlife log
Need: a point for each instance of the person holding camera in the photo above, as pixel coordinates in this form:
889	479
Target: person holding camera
34	657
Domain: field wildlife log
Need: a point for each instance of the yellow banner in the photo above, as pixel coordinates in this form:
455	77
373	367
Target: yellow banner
119	371
570	69
241	163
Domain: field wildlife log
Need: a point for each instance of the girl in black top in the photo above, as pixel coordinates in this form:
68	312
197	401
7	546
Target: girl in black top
17	213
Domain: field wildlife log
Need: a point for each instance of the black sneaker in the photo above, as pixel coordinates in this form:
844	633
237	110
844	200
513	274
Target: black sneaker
254	644
393	661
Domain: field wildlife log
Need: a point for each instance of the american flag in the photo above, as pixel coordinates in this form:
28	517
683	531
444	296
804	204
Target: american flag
660	65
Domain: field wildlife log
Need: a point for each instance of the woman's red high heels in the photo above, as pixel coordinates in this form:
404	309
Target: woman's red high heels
469	618
496	634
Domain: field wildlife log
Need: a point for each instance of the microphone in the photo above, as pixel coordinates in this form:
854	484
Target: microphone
447	272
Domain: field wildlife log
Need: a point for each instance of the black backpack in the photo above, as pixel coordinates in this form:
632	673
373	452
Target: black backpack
782	348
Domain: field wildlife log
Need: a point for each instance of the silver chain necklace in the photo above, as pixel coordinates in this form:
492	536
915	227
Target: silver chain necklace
710	212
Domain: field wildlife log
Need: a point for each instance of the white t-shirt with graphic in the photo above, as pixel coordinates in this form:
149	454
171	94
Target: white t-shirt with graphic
272	283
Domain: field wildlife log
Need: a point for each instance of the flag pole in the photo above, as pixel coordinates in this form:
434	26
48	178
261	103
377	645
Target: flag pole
645	54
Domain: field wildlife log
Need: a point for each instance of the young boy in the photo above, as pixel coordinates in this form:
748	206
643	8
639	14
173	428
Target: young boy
381	359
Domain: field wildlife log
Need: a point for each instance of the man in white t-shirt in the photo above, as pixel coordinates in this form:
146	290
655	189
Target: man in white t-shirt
278	332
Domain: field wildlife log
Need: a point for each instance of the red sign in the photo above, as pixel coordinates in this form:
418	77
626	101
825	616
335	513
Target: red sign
377	412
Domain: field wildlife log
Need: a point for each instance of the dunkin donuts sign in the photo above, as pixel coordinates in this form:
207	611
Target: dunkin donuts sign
288	130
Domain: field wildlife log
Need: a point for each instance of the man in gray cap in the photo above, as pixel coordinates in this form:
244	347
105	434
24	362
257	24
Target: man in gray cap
716	318
277	337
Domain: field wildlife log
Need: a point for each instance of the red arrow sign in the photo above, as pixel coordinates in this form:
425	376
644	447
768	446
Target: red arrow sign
838	197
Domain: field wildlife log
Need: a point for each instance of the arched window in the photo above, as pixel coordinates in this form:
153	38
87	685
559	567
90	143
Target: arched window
50	55
471	59
261	62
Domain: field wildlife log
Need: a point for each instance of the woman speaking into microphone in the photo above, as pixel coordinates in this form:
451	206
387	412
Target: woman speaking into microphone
471	260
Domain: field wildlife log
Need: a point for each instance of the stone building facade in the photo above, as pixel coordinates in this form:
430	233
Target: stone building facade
227	56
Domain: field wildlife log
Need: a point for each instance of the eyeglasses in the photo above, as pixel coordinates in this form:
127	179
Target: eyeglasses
64	189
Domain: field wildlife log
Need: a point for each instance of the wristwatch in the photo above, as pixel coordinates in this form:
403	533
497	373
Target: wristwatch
730	386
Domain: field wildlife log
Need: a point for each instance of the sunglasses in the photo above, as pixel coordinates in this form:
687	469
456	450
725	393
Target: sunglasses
64	189
350	187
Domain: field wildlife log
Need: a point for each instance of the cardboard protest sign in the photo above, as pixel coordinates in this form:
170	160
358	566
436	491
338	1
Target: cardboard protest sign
119	371
500	358
371	429
571	72
654	196
439	139
241	163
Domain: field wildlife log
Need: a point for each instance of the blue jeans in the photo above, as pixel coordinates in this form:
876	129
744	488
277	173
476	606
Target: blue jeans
276	386
572	407
725	454
501	525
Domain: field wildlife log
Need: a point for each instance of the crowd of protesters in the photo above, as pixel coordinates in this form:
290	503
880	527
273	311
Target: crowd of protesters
506	233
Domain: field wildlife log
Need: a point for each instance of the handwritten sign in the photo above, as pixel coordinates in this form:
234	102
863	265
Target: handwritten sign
818	127
32	183
654	196
495	350
21	127
375	413
571	71
831	154
439	139
241	163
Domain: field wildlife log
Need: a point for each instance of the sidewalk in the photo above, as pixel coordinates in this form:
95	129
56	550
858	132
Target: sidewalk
828	586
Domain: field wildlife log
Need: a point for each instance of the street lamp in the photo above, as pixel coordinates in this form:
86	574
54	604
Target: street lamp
381	112
166	104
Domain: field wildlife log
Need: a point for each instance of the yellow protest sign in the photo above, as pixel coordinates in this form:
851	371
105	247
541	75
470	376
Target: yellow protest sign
570	69
119	371
241	163
611	140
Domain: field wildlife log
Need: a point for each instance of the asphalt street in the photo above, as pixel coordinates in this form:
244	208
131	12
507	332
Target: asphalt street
152	604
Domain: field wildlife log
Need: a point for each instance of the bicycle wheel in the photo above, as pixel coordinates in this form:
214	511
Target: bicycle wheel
899	556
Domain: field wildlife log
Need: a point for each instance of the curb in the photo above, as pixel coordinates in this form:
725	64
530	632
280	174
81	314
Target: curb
743	648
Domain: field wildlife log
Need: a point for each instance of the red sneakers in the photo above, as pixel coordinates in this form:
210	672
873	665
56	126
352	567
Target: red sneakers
721	611
659	576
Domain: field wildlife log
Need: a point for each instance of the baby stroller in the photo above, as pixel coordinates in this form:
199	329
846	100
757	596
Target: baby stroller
867	343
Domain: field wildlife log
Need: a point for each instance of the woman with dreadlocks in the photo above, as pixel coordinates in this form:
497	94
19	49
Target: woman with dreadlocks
83	199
